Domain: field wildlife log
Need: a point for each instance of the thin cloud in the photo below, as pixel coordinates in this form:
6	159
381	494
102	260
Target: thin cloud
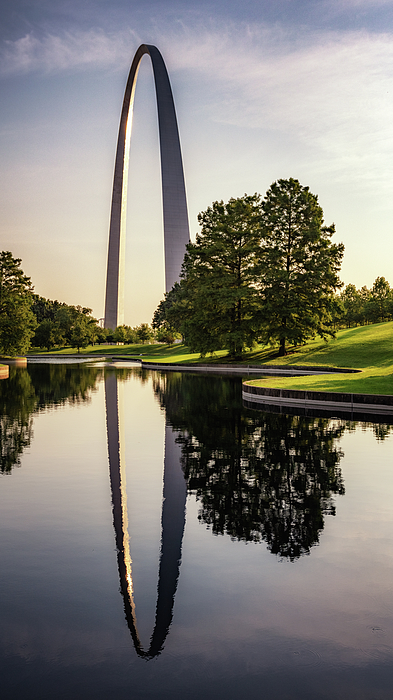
332	90
72	50
340	5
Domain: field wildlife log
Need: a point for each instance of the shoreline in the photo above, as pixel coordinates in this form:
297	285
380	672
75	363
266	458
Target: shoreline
339	404
276	370
256	397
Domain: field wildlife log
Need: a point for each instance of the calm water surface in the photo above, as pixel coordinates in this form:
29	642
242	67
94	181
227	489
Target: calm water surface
159	540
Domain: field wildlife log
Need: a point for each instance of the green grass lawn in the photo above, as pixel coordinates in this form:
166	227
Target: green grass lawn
369	381
152	353
95	350
368	348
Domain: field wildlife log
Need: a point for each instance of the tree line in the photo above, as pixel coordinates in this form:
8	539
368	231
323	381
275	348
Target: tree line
362	306
27	319
60	324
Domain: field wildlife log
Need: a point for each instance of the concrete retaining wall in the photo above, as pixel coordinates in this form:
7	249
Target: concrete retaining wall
343	403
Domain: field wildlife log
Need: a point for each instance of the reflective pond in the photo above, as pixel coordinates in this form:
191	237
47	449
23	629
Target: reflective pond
161	540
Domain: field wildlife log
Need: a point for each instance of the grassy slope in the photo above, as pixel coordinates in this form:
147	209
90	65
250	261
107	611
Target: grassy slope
369	348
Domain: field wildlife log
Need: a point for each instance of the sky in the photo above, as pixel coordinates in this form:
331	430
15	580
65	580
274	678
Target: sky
263	90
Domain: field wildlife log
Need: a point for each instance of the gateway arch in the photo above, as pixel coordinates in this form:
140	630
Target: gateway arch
174	201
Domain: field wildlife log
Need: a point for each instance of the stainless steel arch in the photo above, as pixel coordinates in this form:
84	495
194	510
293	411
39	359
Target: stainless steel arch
174	201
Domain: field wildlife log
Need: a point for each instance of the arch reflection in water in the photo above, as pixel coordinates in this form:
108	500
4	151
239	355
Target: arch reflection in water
172	525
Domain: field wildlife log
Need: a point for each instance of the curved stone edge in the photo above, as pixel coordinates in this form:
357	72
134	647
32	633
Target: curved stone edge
238	369
346	403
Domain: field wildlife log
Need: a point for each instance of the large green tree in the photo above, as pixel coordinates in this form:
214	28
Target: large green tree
60	324
218	297
49	331
17	321
81	333
352	305
299	266
46	335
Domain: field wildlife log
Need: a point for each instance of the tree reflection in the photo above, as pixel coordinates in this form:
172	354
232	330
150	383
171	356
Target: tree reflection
381	430
28	391
258	476
17	403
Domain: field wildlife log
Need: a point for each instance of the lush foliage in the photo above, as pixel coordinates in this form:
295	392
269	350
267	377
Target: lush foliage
300	265
28	319
259	270
361	306
17	321
166	320
26	392
216	302
60	324
125	334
